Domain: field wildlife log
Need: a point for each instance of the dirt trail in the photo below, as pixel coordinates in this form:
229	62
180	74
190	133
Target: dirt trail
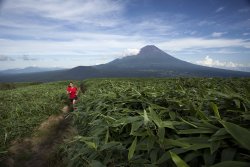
38	151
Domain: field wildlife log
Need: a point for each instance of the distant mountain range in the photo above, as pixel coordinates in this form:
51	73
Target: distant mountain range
28	70
149	62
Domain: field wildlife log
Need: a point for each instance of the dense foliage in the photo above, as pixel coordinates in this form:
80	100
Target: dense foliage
162	122
25	106
139	122
9	86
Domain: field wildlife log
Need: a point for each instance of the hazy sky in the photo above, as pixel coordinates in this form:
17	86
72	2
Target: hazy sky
57	33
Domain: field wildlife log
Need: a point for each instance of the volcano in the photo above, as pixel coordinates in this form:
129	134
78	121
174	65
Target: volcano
150	57
155	62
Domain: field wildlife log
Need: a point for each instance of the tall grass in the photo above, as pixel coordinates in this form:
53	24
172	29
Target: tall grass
25	107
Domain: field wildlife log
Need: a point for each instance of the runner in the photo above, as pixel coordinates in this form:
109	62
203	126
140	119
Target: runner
72	91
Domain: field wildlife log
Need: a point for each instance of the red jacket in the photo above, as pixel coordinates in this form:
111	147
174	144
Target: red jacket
72	92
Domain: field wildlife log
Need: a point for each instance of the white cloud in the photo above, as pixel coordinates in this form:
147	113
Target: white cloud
28	58
218	34
244	10
202	43
153	25
112	45
6	58
219	9
98	12
206	23
70	20
97	45
245	34
226	51
193	32
130	51
208	61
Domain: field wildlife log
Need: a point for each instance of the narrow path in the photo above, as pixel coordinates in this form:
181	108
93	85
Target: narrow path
39	150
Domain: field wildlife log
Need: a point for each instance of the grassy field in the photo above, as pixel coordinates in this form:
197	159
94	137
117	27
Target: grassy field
23	106
140	122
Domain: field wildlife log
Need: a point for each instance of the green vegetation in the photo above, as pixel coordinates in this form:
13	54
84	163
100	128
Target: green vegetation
25	107
139	122
9	86
162	122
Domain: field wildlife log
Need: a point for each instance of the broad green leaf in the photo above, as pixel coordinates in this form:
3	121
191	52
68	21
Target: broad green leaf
82	138
161	134
215	145
136	133
155	117
194	131
5	137
146	120
220	135
237	103
220	132
240	134
246	116
177	160
153	156
172	115
215	109
128	119
192	155
220	94
107	136
188	123
208	157
201	114
194	140
172	142
109	145
198	146
163	158
138	160
150	143
135	126
95	163
231	164
206	124
150	132
108	118
228	154
132	149
91	144
168	124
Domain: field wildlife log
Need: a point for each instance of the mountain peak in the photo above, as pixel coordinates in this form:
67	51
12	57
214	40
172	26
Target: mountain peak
151	50
149	47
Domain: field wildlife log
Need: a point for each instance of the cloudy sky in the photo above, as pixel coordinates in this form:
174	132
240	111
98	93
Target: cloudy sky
56	33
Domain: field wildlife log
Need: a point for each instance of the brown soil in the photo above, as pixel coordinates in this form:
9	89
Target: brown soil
39	150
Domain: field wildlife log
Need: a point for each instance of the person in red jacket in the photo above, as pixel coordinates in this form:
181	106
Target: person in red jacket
72	91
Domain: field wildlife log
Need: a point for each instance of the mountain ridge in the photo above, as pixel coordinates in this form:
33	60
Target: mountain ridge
29	69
